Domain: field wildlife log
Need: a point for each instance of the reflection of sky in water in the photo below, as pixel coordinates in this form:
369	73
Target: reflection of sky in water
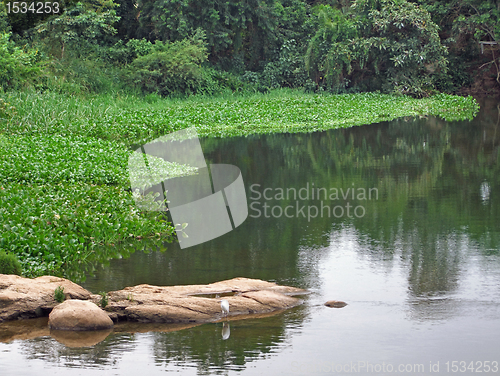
382	324
485	192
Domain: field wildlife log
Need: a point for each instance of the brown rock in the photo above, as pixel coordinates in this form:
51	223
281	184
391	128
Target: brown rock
164	314
335	304
29	298
79	315
272	299
198	303
25	298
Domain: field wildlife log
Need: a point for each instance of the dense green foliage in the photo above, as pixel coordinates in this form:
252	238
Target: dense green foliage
394	39
17	65
170	68
201	46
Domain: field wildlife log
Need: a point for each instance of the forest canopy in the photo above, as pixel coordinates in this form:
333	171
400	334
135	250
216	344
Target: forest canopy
169	47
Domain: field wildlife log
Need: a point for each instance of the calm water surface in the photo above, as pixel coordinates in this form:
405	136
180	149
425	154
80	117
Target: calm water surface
418	262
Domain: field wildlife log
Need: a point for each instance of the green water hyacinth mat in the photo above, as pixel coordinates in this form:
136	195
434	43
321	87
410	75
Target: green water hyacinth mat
64	188
132	120
60	196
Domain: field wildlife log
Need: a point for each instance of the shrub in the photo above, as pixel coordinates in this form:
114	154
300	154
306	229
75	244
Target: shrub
172	68
9	264
125	53
16	65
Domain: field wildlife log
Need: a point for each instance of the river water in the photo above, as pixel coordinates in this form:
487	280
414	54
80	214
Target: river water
398	219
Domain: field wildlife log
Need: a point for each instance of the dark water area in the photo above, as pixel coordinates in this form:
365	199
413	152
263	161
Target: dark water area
398	219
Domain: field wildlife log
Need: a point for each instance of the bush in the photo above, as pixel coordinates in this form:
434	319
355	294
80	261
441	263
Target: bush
17	65
124	53
171	68
9	264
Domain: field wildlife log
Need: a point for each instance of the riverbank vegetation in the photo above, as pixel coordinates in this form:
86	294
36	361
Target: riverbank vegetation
81	85
204	47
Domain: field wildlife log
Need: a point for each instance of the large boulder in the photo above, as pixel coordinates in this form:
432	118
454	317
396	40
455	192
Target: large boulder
28	298
79	315
200	303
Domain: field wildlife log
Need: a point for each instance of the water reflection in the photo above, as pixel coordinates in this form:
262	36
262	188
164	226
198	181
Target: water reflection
226	330
105	353
75	339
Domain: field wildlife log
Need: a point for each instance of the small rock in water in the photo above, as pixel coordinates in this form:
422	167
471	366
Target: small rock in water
335	304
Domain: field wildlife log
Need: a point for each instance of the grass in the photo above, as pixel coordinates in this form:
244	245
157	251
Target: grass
63	159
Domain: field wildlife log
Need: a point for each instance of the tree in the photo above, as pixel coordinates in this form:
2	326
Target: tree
331	51
234	29
4	19
482	18
80	29
17	65
382	44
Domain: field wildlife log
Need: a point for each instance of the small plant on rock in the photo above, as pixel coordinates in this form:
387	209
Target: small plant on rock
104	299
59	294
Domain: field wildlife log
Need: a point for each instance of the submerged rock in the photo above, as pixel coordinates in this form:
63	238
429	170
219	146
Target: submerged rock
79	315
23	329
335	304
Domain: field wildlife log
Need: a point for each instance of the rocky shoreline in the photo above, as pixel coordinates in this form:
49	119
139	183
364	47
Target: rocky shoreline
23	298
